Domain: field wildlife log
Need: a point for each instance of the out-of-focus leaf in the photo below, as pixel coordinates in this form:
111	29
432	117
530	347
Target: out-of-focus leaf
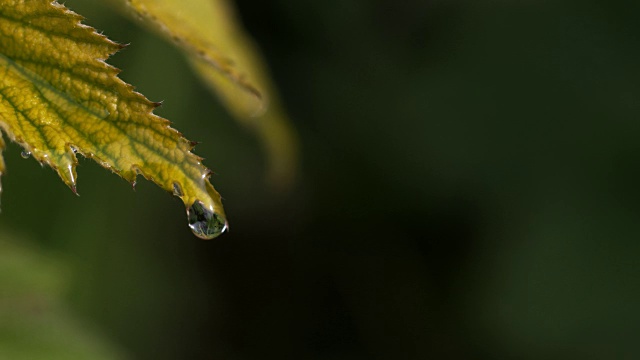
230	64
34	322
59	97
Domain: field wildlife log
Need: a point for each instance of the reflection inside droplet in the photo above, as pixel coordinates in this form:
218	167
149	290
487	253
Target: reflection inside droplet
25	154
205	223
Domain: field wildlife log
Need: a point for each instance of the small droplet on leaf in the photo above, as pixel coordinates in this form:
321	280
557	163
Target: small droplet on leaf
177	190
25	154
205	223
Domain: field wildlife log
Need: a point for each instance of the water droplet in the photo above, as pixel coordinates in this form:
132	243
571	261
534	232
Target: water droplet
205	223
25	154
177	190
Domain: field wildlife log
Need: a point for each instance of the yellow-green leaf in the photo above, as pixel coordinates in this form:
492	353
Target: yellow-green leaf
59	97
230	64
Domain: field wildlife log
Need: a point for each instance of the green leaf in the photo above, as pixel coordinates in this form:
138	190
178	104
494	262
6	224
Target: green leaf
59	97
231	65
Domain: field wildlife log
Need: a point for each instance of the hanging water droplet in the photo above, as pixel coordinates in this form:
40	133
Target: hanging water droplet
205	223
25	154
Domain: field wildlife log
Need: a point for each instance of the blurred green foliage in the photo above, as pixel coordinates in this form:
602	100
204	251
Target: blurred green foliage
469	190
34	322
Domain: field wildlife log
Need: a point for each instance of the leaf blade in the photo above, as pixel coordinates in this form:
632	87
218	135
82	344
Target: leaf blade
59	96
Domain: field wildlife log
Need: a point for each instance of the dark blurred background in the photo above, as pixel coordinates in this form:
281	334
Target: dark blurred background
469	190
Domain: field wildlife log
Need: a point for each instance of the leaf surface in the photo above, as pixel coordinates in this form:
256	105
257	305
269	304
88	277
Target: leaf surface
59	97
230	64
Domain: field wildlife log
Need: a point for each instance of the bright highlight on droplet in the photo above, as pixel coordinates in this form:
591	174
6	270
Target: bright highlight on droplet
25	154
205	223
